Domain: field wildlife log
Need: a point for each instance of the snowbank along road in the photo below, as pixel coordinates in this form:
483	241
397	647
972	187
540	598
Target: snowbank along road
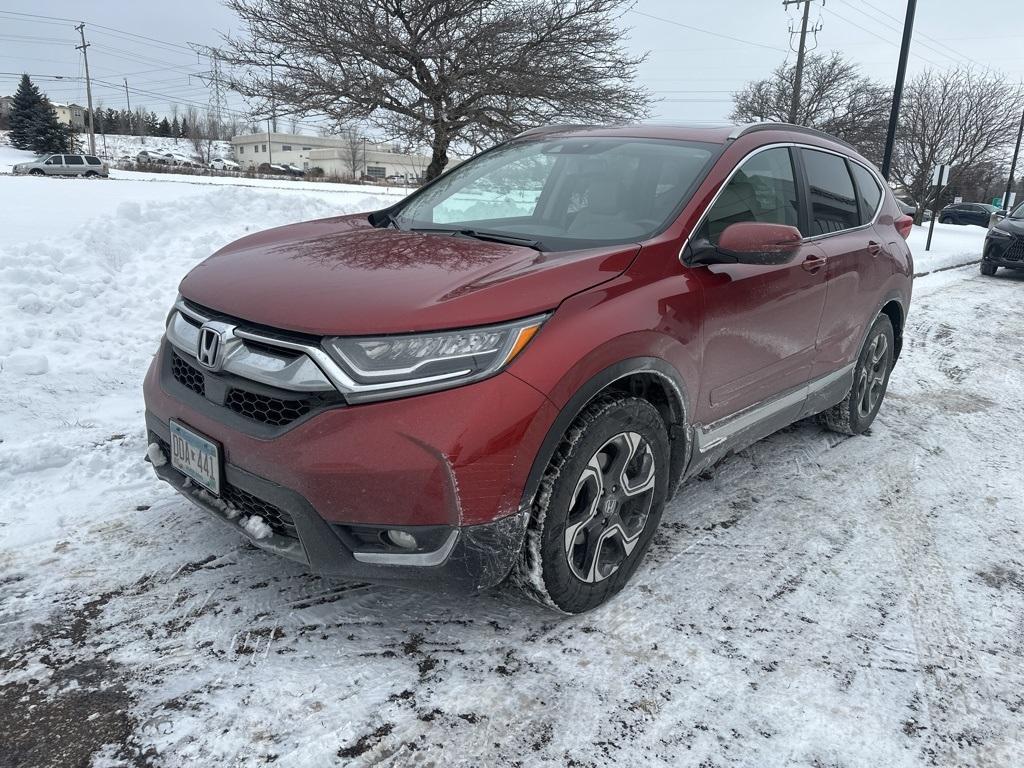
812	601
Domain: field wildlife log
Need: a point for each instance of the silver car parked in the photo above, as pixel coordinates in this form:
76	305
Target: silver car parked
63	165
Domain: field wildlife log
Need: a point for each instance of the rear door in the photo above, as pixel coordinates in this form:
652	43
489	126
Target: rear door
74	165
760	323
841	224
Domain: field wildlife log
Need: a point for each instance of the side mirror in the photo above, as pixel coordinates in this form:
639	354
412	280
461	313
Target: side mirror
752	242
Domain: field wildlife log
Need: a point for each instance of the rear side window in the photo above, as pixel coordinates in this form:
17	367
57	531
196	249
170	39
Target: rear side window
762	189
73	160
92	160
869	191
833	201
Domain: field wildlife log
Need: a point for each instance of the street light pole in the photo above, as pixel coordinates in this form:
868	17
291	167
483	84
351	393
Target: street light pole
1013	166
897	94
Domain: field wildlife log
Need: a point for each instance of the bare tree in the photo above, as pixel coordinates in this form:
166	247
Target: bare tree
436	72
354	150
834	97
959	117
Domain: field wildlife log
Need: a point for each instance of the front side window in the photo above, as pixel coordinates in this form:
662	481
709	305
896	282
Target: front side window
833	201
54	160
762	189
565	193
869	191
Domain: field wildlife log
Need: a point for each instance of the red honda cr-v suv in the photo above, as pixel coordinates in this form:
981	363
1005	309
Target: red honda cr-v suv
511	370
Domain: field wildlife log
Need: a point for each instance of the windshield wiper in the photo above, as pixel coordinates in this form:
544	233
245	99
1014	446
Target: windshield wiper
493	237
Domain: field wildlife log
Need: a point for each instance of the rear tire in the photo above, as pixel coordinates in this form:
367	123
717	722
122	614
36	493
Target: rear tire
597	507
858	409
988	268
91	175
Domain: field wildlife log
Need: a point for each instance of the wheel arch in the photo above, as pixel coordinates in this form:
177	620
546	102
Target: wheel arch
650	378
893	309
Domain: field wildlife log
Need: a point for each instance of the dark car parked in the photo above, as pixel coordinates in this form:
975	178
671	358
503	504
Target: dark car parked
1004	245
967	213
511	370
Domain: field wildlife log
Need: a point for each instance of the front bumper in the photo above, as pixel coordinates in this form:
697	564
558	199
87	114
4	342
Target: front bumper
1005	252
470	559
449	466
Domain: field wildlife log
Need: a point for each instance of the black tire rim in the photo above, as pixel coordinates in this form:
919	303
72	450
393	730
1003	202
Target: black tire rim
610	507
872	376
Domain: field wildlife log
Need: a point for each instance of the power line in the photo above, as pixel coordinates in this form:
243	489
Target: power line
706	31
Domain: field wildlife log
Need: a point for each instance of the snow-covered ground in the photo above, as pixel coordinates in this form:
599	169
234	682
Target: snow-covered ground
813	601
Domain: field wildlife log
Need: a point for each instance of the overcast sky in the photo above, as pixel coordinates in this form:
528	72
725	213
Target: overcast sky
692	71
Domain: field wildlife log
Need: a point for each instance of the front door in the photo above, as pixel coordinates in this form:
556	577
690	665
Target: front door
760	323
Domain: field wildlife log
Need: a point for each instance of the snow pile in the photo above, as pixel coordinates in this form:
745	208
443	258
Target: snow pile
156	455
256	527
952	246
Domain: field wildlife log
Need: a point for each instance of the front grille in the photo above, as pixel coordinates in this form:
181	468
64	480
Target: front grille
1016	250
268	410
265	409
187	374
280	522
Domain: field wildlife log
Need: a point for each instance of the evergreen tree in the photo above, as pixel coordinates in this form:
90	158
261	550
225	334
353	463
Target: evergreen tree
27	114
34	124
184	128
52	135
175	128
164	129
111	121
152	125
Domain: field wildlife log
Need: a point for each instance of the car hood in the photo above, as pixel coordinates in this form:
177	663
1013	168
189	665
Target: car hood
1016	226
342	276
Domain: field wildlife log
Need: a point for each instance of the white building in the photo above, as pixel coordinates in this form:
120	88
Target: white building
70	114
334	154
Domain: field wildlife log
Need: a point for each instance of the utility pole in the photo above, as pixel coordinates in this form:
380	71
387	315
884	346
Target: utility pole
129	99
88	88
1013	167
897	94
794	105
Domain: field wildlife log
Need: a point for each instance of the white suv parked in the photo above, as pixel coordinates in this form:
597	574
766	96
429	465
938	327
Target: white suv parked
63	165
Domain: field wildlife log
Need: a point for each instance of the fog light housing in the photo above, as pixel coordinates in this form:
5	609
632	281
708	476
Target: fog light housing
401	539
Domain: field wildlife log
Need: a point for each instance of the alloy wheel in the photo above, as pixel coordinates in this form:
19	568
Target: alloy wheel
872	376
610	507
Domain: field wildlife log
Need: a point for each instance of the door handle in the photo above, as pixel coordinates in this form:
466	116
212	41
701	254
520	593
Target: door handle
874	248
813	263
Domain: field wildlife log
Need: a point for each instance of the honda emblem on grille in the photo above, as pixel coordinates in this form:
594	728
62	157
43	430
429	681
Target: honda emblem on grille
208	352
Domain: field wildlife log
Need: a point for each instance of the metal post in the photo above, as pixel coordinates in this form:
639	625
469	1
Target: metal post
897	94
88	89
270	146
794	105
1013	167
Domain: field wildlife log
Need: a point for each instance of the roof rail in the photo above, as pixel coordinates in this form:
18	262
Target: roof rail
553	128
743	130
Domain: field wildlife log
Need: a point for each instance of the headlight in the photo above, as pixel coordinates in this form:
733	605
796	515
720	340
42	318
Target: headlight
388	366
999	234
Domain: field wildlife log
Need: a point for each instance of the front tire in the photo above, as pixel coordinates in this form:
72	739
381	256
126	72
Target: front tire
988	268
598	505
858	409
946	220
36	172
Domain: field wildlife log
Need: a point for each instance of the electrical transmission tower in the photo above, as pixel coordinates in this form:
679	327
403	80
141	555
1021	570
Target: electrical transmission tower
794	106
213	79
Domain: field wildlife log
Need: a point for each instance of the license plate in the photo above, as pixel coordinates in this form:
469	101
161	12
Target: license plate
195	457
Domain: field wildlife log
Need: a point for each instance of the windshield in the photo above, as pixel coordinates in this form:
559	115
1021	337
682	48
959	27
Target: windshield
565	193
1018	212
